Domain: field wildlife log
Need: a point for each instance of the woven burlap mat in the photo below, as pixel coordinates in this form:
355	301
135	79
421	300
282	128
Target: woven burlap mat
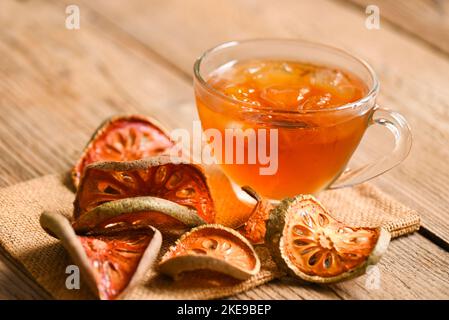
46	260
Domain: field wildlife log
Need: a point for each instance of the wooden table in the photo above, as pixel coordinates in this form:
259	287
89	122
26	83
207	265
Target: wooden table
57	85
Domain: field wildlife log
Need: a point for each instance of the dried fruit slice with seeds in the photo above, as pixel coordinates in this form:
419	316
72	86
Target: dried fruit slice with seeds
176	181
123	138
308	243
111	265
211	247
135	213
255	228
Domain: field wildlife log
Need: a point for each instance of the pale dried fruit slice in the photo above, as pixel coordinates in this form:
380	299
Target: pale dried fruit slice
123	138
255	228
211	247
111	265
308	243
135	213
179	182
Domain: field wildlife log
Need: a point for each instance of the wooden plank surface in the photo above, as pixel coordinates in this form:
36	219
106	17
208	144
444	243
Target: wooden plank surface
428	20
415	83
57	85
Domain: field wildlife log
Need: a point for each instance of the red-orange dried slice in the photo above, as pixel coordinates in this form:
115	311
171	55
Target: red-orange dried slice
255	228
111	264
211	247
309	243
136	213
123	138
160	177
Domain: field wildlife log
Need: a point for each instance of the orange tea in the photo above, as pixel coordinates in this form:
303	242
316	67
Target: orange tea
299	100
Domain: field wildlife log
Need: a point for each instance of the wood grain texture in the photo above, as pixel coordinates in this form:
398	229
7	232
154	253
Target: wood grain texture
412	268
58	85
428	20
413	78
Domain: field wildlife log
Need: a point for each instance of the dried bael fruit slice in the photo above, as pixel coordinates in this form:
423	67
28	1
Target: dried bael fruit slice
211	247
255	228
123	138
308	243
179	182
135	213
111	264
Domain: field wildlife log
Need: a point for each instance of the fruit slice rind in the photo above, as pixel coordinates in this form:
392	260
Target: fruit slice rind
175	266
174	263
113	209
78	169
141	164
277	237
59	226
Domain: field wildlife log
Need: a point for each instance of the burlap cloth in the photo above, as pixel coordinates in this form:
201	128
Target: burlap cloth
46	260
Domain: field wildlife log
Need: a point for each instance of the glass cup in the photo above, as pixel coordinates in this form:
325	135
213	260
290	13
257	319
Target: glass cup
313	147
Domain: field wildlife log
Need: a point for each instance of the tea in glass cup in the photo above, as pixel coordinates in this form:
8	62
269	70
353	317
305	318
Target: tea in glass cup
318	101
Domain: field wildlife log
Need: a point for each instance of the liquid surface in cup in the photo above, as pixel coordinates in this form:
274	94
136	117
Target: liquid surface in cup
287	85
313	147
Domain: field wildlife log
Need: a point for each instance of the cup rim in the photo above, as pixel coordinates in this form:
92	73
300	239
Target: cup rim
373	90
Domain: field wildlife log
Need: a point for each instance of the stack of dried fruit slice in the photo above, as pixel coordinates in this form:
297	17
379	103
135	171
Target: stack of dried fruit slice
117	199
121	205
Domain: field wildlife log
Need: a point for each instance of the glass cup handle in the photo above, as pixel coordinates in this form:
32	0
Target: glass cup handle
397	124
